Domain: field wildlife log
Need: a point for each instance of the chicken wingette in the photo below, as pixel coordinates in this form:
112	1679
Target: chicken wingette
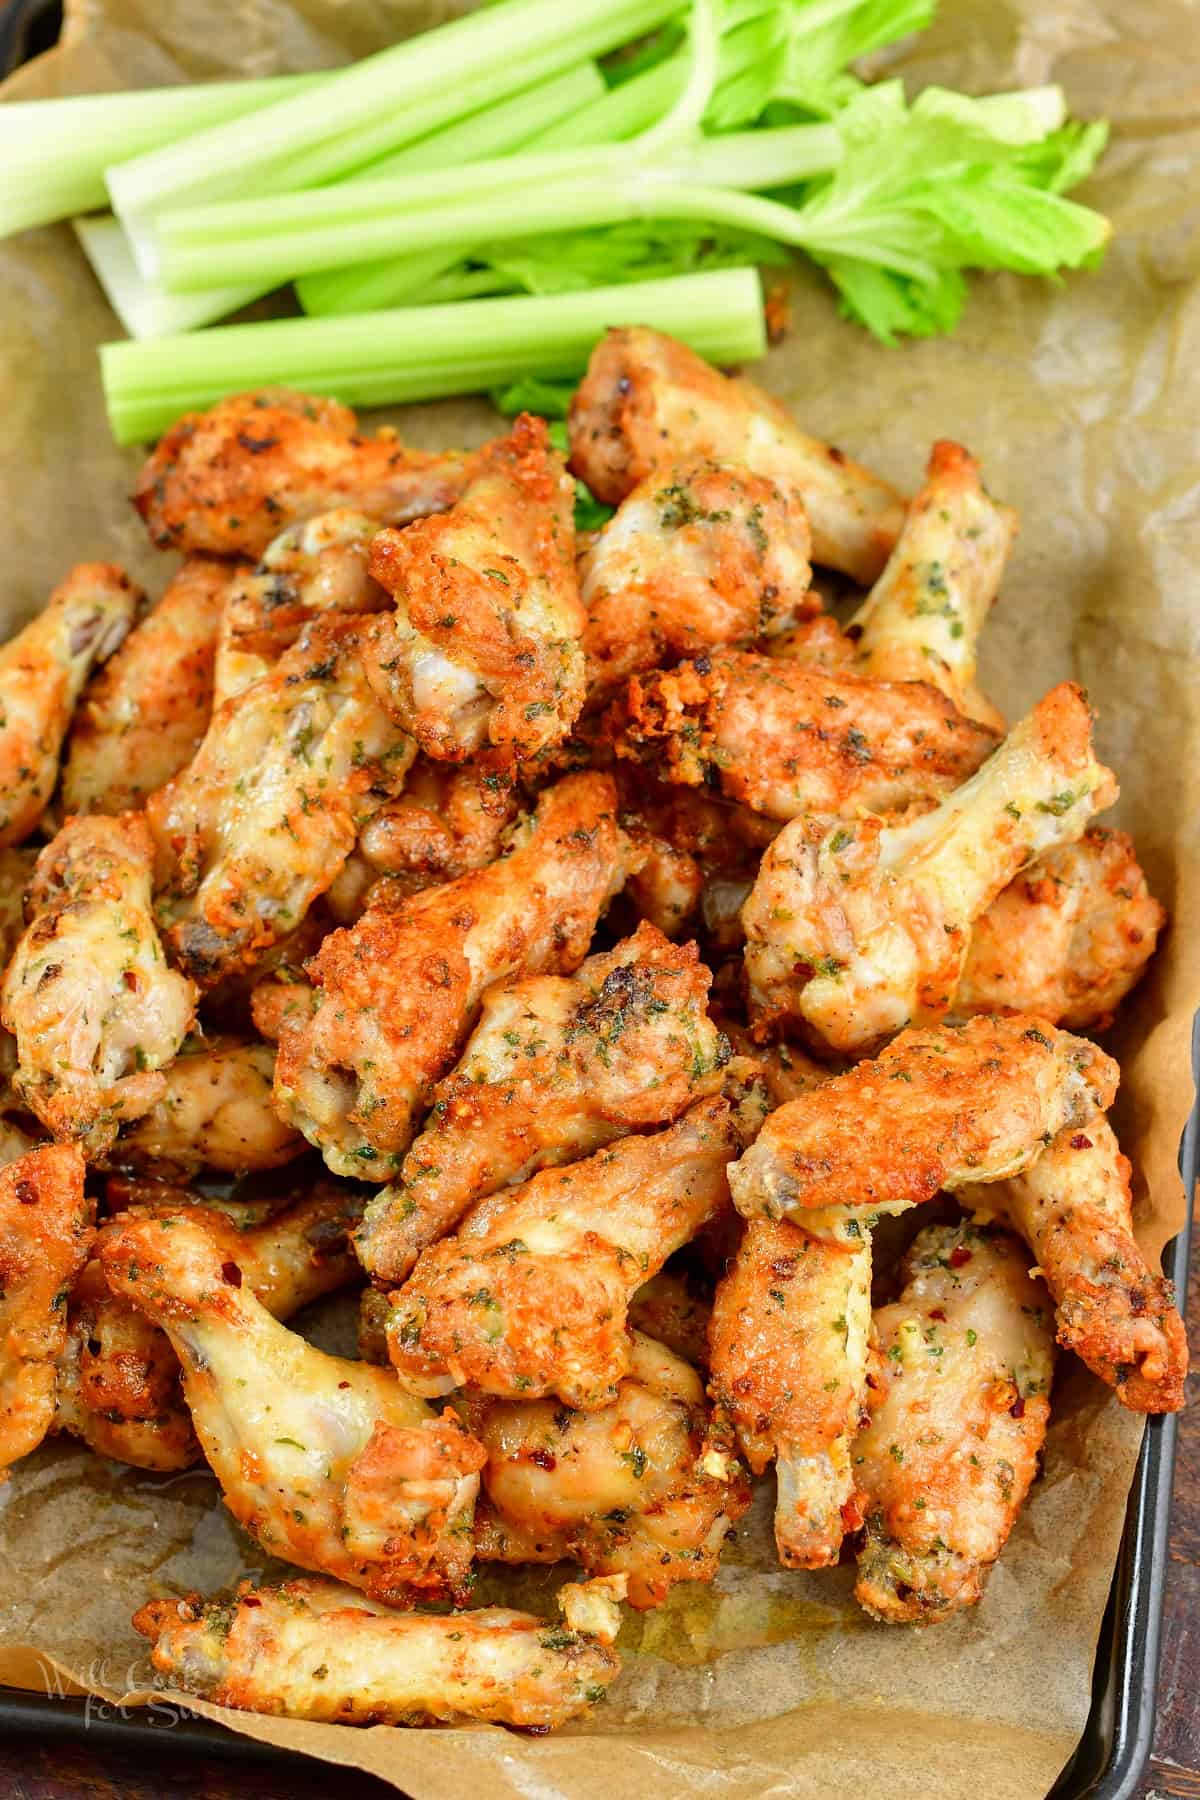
647	398
451	818
855	930
557	1066
215	1112
396	993
530	1297
96	1013
959	1403
1074	1208
328	1463
482	650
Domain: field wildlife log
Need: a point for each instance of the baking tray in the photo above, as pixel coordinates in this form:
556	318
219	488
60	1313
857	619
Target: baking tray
1115	1745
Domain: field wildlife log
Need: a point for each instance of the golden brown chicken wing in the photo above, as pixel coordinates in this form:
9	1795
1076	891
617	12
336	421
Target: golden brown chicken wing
959	1402
788	1349
314	1650
215	1112
937	1109
483	646
141	719
556	1067
96	1013
530	1297
262	818
646	399
784	739
328	1463
922	619
42	673
448	820
396	993
45	1235
645	1488
671	1309
856	930
1068	938
226	481
1074	1208
698	554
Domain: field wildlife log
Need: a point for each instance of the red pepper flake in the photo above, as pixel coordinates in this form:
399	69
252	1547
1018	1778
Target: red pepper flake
938	1314
343	1384
543	1459
130	979
251	1600
959	1255
853	1515
231	1274
1017	1409
1080	1142
26	1192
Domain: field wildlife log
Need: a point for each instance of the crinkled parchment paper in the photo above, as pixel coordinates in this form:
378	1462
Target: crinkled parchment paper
1083	403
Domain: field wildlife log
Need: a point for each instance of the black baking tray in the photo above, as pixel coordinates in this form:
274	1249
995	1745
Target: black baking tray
1115	1745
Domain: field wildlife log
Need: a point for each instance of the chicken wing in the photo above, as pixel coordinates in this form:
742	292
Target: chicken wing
262	818
857	930
142	718
669	1309
96	1013
483	647
328	1463
226	481
42	674
448	820
922	619
644	1488
396	993
1074	1208
959	1403
788	1349
530	1298
557	1067
215	1112
786	740
1067	939
45	1235
313	1650
698	554
646	397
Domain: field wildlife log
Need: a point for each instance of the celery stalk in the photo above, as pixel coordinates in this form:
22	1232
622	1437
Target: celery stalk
144	309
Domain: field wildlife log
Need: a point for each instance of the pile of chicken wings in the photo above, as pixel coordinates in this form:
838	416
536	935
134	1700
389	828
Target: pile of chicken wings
581	944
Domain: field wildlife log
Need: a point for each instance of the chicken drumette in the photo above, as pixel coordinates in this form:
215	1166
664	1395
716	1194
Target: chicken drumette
215	1112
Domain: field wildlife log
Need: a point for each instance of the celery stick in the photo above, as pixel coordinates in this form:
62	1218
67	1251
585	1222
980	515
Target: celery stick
144	309
422	352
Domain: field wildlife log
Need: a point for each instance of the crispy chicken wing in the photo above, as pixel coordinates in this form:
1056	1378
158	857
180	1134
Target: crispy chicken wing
448	820
857	930
1068	938
788	1348
644	1488
557	1066
328	1463
922	619
96	1012
646	399
42	673
45	1235
141	719
937	1109
785	739
226	481
530	1298
1074	1208
959	1402
396	993
215	1112
669	1309
698	554
313	1650
483	647
262	818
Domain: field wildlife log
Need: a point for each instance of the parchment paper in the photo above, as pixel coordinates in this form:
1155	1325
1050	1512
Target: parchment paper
1083	403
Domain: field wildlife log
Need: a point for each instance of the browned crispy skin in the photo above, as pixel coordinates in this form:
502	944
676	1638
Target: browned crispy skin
556	1067
1068	938
939	1108
315	1650
397	992
698	554
225	481
785	739
647	399
45	1235
483	647
530	1297
141	719
1074	1208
